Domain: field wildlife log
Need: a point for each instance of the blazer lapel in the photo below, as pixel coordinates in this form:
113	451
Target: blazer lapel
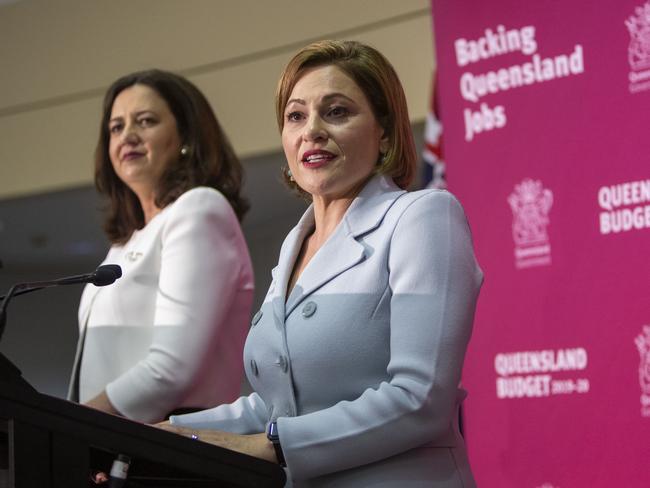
343	250
288	255
338	254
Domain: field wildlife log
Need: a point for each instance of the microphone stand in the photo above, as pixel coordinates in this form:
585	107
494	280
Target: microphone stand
22	288
10	373
102	276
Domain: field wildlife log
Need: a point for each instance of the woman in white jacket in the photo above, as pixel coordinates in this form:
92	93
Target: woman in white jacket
168	335
356	353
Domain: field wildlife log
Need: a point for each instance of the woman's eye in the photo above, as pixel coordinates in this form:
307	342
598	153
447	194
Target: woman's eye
294	116
146	121
115	129
338	112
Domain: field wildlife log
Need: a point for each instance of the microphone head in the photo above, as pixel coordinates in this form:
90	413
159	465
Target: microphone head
106	274
117	270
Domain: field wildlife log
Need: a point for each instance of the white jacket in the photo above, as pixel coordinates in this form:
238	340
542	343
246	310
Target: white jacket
170	332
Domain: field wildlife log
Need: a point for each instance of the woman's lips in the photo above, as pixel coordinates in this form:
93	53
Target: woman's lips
316	159
132	155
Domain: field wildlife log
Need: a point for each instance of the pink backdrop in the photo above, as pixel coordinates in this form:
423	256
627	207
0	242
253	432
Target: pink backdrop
545	108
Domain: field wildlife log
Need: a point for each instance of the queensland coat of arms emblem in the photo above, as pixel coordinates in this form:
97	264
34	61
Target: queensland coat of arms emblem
638	25
531	203
638	51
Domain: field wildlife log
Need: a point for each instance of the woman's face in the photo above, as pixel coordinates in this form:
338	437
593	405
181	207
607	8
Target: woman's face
144	138
330	137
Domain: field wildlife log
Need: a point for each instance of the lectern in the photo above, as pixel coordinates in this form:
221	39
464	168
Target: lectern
53	443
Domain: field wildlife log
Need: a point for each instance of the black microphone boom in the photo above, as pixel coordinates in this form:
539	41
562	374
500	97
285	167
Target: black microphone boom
106	274
102	276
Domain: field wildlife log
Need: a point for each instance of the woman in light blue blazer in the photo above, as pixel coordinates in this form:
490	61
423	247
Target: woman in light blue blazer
356	353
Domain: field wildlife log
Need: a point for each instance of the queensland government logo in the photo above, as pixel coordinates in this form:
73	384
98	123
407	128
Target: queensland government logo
642	342
530	203
638	51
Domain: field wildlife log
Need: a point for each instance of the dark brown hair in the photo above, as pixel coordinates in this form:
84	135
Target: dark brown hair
378	80
210	159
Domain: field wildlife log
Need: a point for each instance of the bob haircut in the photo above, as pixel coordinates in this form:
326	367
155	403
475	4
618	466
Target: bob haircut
377	78
209	161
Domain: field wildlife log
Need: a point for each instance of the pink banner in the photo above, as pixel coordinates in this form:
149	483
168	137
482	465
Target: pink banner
545	108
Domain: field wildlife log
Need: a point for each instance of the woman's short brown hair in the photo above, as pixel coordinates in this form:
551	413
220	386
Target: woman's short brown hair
378	80
209	161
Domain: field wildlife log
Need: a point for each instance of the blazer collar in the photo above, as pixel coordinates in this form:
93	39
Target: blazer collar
341	251
367	210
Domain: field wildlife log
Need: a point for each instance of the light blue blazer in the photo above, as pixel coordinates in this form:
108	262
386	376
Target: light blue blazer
361	364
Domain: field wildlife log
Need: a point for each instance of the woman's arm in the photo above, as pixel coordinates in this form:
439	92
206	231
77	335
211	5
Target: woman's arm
101	402
256	445
238	426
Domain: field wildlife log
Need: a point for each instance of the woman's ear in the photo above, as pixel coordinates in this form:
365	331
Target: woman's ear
383	144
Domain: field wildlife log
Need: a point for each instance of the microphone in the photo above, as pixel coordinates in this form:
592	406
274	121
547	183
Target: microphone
119	471
102	276
106	274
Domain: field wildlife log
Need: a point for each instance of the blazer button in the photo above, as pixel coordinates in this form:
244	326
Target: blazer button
283	363
254	368
309	309
257	317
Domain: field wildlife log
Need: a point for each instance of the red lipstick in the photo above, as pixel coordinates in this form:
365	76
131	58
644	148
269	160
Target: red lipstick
316	158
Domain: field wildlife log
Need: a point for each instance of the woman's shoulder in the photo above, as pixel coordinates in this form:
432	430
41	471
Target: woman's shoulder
201	196
201	204
431	199
202	200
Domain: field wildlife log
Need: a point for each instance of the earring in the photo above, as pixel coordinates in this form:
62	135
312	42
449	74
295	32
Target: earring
184	151
288	174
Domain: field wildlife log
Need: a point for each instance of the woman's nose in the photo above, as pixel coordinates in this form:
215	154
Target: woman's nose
314	129
130	134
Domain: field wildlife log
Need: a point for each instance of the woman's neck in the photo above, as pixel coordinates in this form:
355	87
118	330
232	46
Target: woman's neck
328	211
327	216
148	204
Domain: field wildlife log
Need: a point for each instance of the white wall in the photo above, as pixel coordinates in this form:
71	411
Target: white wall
57	58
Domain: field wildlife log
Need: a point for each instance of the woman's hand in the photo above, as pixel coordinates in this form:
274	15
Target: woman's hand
102	402
256	445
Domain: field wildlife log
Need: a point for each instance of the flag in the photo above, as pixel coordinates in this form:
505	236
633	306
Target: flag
434	165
